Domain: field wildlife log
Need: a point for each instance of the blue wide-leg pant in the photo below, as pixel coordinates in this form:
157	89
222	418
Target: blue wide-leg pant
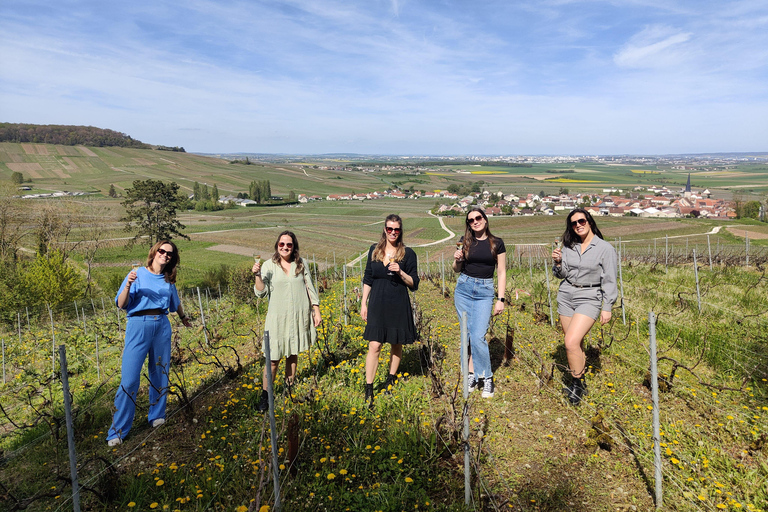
144	336
475	296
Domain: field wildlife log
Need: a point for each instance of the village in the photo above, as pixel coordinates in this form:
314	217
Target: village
649	201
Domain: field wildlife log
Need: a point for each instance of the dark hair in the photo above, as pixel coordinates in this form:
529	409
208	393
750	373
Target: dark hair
378	252
169	270
294	252
469	234
569	236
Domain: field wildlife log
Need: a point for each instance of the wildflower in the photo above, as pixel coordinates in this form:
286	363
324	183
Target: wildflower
132	504
153	505
331	476
408	480
159	483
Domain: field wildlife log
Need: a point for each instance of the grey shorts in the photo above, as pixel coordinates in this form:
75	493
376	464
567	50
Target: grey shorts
585	301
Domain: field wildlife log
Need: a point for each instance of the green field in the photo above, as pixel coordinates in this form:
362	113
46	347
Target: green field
55	167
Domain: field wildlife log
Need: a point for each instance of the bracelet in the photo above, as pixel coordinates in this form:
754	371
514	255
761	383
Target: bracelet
501	299
257	274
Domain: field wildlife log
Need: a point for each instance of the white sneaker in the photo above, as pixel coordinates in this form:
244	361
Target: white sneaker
488	387
114	442
159	421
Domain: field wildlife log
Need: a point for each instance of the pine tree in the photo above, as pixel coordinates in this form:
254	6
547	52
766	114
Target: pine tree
196	191
204	194
215	194
112	192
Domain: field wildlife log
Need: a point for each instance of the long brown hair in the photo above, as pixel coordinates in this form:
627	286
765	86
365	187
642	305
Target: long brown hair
469	235
295	256
380	250
169	271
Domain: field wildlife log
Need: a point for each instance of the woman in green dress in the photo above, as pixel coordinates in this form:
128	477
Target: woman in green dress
294	307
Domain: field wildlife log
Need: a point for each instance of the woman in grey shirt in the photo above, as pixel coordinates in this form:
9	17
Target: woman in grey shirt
587	266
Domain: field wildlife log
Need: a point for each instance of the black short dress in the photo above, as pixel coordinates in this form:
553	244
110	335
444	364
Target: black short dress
390	317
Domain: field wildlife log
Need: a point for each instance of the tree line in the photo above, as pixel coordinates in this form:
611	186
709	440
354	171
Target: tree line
67	135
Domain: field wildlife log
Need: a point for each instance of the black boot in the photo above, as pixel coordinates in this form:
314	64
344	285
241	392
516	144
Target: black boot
369	395
577	390
390	381
263	404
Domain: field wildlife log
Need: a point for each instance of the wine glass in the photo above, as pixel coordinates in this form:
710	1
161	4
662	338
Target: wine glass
389	258
459	247
135	266
256	257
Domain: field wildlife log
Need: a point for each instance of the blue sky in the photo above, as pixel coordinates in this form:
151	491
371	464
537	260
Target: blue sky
397	76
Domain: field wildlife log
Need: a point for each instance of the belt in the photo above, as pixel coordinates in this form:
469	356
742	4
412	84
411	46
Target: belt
147	312
583	285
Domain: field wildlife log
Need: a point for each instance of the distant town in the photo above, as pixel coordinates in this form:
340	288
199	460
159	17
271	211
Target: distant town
648	201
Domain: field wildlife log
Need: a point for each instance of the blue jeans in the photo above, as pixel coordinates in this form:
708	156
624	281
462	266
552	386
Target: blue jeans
144	336
475	296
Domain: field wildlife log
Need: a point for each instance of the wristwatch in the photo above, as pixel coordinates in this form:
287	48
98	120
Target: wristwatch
501	299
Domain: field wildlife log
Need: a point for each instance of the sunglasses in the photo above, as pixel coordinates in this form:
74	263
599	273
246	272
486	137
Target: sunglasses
579	222
392	230
472	220
166	253
289	245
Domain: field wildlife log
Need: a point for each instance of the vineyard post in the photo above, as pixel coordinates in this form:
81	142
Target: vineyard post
29	327
655	398
2	340
334	262
208	301
98	363
746	247
621	287
18	319
326	266
442	271
202	316
709	249
655	254
53	346
70	429
530	267
85	327
427	260
76	313
272	425
465	387
666	254
696	275
549	295
346	319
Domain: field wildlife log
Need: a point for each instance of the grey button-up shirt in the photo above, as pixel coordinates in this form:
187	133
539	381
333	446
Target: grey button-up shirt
596	265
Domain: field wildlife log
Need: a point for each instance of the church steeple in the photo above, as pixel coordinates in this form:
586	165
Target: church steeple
688	185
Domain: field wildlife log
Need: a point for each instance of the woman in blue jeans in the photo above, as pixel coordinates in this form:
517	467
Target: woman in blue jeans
148	294
477	258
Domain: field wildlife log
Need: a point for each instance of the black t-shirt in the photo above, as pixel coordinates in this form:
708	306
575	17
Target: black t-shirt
480	263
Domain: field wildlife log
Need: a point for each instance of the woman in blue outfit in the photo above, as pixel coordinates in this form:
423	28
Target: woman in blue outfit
478	257
147	295
587	266
386	306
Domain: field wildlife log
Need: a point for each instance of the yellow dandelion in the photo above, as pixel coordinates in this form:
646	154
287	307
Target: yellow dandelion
331	476
132	504
408	480
153	505
159	483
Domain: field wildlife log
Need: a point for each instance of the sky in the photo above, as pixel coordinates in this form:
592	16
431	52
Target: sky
398	77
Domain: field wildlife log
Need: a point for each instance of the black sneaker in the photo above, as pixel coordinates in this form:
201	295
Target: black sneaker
488	387
263	405
473	382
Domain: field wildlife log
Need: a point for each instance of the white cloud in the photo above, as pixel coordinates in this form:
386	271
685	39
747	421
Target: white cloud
654	46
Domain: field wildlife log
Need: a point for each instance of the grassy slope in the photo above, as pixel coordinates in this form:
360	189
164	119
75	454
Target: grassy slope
531	450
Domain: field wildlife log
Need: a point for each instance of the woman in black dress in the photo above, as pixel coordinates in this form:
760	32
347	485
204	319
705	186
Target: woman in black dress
386	307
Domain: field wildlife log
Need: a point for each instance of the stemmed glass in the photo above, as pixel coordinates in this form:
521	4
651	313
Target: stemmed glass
135	268
389	272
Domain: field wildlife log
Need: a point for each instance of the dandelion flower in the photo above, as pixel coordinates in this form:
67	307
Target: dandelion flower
331	476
